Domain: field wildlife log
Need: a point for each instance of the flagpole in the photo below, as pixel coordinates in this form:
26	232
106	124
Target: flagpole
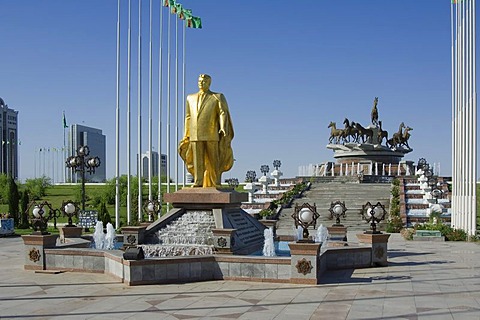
150	108
117	127
452	97
474	119
139	125
184	85
176	101
168	105
129	80
35	163
160	109
63	153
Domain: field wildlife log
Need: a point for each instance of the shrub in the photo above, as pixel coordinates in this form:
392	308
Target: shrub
266	213
407	233
394	225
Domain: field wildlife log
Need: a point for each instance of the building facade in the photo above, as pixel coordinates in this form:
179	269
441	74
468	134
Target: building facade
80	135
155	164
9	139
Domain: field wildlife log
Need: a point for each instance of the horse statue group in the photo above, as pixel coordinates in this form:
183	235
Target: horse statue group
400	138
354	132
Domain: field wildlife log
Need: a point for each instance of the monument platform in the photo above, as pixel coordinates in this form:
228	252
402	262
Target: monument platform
205	197
235	231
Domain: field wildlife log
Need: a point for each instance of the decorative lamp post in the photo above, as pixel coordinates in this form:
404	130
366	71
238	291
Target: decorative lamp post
251	176
276	174
151	208
305	216
436	192
264	169
250	186
82	163
277	164
70	210
422	163
337	210
233	183
264	180
374	214
42	213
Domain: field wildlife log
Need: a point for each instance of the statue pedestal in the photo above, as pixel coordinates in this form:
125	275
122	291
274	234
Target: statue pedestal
208	198
379	242
235	230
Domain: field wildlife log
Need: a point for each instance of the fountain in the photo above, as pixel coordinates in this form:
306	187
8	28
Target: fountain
190	234
102	240
99	236
322	234
269	245
110	238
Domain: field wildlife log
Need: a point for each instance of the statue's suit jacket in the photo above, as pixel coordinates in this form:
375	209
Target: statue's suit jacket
203	123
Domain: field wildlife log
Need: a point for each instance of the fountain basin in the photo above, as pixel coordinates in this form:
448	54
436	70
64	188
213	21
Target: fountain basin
281	249
282	269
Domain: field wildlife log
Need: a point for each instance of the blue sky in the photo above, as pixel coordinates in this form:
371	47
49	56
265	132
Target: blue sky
287	68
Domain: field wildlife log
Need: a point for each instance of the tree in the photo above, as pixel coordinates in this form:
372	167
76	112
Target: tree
24	223
103	214
3	188
37	187
13	200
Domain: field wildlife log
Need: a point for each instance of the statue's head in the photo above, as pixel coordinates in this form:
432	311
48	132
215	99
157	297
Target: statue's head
204	81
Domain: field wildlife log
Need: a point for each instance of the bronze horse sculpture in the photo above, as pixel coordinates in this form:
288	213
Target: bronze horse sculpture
382	134
405	137
374	113
350	131
397	137
335	134
363	132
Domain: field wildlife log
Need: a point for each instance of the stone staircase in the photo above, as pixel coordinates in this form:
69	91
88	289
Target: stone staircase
323	194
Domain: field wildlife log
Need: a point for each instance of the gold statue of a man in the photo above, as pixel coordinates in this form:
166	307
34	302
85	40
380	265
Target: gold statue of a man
206	145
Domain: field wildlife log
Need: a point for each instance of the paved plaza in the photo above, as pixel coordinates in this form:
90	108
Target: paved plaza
424	280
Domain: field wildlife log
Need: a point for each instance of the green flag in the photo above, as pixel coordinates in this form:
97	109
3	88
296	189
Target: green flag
168	3
194	22
64	121
176	8
185	14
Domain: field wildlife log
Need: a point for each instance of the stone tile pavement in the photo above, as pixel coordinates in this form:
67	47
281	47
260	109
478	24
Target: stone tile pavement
424	280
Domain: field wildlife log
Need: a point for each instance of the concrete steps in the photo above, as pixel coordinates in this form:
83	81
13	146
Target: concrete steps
355	195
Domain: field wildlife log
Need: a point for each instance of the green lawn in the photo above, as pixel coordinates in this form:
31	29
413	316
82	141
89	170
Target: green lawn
55	195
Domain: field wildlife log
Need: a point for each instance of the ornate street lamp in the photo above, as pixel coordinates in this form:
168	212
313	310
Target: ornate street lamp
233	183
436	192
82	163
422	163
70	210
374	214
251	176
151	208
337	210
305	216
264	169
277	164
42	212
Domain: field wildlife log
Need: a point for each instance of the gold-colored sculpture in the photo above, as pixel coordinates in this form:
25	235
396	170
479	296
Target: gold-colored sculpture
206	144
